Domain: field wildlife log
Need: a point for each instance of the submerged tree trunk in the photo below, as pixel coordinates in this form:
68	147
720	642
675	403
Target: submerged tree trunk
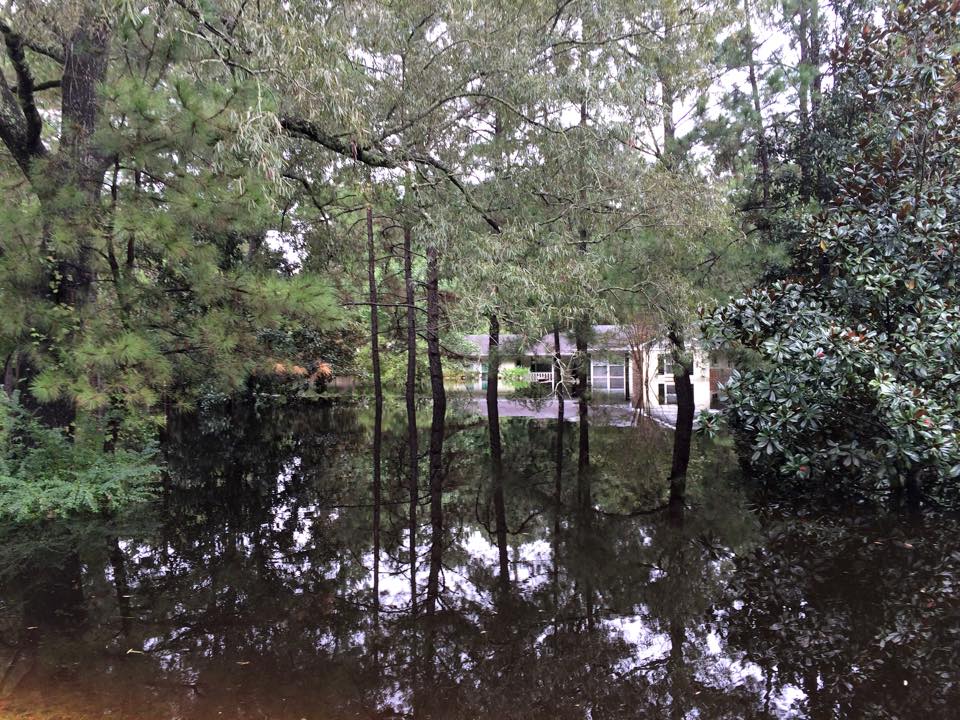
557	486
436	426
585	531
676	668
378	404
558	451
584	490
683	369
413	480
121	583
558	379
496	450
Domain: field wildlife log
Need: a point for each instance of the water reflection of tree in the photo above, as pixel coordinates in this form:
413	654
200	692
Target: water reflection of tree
867	625
261	556
261	552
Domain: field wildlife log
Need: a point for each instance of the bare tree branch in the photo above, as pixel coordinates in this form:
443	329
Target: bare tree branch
366	154
40	86
25	88
374	156
53	53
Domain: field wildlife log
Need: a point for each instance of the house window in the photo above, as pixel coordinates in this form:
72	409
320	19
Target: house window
616	376
665	364
608	376
600	374
667	394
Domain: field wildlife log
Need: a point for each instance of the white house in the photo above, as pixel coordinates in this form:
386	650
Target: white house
612	368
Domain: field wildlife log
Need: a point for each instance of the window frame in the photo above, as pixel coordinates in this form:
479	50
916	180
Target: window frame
665	363
601	378
664	395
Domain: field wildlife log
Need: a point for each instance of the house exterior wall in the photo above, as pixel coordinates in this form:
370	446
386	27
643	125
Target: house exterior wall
657	371
474	377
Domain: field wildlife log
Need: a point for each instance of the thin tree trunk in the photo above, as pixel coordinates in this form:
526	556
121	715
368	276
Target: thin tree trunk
803	95
378	405
640	381
558	385
581	365
584	491
582	326
668	97
816	82
121	583
804	79
584	522
816	77
763	154
558	465
496	450
685	409
669	128
557	499
560	409
676	670
436	425
10	368
411	399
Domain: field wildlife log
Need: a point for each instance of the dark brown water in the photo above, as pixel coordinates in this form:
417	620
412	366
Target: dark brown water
245	591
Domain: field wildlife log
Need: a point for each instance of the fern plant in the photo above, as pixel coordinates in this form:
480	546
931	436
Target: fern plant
45	474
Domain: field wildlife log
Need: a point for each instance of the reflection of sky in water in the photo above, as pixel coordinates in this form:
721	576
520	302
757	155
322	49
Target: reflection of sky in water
531	567
279	579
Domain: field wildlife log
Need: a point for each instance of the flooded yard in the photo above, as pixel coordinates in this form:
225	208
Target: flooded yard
557	587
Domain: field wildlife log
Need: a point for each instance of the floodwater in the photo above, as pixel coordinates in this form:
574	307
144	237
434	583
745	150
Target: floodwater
545	585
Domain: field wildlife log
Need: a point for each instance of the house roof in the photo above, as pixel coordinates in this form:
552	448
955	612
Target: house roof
612	338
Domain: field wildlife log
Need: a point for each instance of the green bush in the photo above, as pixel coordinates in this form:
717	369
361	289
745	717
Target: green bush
856	355
44	473
516	377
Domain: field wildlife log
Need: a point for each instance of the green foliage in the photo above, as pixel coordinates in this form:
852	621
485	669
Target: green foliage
393	367
187	292
857	356
45	474
517	377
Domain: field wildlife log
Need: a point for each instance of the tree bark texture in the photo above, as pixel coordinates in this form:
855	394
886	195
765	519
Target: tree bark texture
682	437
436	425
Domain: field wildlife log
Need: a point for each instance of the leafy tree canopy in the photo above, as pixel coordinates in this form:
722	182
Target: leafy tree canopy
857	358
